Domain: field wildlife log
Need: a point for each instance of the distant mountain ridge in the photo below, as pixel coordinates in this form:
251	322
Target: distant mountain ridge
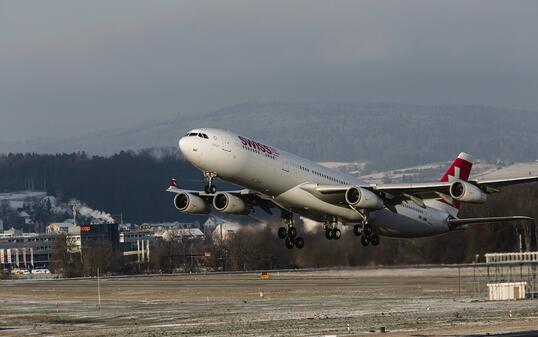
386	135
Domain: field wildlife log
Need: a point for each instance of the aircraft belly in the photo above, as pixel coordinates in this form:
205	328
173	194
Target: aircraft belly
301	200
388	223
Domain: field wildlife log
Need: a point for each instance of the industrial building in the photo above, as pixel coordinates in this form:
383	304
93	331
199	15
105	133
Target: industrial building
92	235
33	250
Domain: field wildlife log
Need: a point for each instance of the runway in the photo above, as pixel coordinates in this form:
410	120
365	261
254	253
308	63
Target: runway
351	302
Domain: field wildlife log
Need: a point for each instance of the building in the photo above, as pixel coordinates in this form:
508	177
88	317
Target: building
94	234
507	291
25	250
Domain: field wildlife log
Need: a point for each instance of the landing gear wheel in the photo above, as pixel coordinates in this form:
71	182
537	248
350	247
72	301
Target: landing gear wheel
289	243
299	242
374	239
337	234
365	241
282	233
357	229
213	189
329	234
207	189
292	232
367	230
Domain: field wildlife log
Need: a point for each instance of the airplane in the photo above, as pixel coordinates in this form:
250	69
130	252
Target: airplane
275	179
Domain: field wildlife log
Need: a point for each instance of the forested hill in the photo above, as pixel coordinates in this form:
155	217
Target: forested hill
132	183
384	134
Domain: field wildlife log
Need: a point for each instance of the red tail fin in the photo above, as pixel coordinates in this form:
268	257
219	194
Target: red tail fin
460	168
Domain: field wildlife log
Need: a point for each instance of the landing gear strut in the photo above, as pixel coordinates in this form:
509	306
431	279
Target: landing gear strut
210	188
290	233
366	233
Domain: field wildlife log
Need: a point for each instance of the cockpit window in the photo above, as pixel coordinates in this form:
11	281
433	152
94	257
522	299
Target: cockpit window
196	134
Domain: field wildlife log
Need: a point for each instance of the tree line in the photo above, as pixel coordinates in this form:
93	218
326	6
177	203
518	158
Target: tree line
131	183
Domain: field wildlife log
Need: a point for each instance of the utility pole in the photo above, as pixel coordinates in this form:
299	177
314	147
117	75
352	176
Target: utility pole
459	282
98	290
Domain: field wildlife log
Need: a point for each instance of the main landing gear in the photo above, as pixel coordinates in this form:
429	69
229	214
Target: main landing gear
289	233
331	231
210	188
366	233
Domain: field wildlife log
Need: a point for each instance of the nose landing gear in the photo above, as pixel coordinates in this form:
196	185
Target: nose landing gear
210	188
290	233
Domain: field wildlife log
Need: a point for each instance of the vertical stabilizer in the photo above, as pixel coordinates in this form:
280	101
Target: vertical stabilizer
460	169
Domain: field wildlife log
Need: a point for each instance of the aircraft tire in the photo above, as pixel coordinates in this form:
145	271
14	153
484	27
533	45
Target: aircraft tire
299	242
374	239
367	230
206	189
292	232
365	241
357	230
289	243
213	189
337	234
282	233
329	234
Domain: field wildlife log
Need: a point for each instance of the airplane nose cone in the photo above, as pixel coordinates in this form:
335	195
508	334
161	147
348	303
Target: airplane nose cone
183	145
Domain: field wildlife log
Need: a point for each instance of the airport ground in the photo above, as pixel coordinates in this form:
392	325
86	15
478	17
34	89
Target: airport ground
351	302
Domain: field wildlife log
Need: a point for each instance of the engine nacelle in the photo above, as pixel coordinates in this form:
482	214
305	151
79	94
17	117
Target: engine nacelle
466	192
190	203
229	203
364	199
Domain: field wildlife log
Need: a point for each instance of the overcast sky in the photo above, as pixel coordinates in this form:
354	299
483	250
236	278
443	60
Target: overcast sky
67	65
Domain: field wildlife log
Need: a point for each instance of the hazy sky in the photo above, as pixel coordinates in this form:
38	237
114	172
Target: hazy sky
70	65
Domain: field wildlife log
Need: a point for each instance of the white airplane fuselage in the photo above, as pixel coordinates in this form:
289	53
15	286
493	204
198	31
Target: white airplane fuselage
282	176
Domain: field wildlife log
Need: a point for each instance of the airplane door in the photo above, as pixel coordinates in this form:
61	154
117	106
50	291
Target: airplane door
226	144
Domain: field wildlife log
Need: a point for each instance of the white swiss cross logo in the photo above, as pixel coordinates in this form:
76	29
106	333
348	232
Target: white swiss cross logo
456	175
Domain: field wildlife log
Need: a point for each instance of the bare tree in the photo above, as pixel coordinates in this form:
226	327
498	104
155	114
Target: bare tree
63	260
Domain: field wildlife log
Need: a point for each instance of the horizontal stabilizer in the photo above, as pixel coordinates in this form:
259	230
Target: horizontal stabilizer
453	223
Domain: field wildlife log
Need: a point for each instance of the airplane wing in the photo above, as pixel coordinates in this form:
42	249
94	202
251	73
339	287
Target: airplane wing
396	193
253	198
490	186
494	183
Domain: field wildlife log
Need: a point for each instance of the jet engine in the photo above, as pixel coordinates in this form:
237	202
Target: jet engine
466	192
229	203
190	203
364	199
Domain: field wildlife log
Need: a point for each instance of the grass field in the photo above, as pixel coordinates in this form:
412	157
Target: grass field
419	302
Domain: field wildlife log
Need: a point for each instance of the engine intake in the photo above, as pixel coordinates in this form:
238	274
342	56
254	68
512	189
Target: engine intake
229	203
190	203
466	192
362	198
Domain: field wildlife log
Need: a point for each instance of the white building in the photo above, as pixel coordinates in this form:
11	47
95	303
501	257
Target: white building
507	291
